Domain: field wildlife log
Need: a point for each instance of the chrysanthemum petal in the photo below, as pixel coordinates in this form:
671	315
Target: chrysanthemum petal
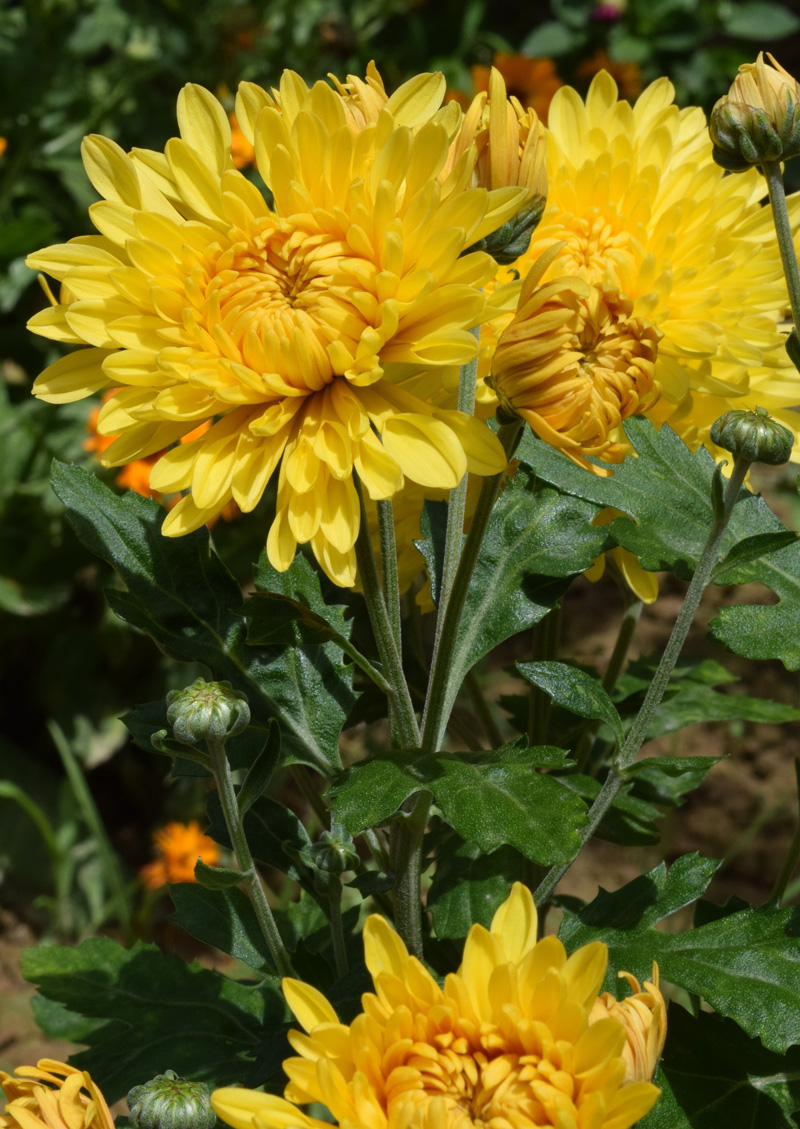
515	923
383	949
309	1006
72	377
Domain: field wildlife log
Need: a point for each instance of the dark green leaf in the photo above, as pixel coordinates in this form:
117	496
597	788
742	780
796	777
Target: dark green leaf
433	527
222	918
155	1009
746	964
667	492
666	781
491	798
793	348
629	821
468	885
217	877
712	1076
261	771
575	690
274	834
536	541
180	593
759	20
752	549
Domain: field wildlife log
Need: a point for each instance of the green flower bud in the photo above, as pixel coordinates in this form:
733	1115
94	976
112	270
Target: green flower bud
754	436
170	1102
758	120
334	851
207	710
513	239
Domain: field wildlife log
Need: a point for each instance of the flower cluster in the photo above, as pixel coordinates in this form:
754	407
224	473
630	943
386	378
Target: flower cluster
290	330
178	847
518	1036
52	1095
662	291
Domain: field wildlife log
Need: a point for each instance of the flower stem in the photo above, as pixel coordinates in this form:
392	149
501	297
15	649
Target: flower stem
391	584
438	701
546	635
793	854
407	865
233	821
405	732
638	732
783	228
337	930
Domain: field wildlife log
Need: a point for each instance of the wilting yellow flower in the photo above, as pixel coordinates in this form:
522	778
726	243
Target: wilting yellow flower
179	846
290	329
644	1016
508	1041
52	1095
680	275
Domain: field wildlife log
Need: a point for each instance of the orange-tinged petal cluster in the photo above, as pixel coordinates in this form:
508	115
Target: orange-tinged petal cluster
289	330
644	1016
178	847
52	1095
508	1041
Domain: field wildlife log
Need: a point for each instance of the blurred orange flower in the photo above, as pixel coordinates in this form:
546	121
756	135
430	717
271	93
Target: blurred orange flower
3	145
178	847
242	151
627	76
532	81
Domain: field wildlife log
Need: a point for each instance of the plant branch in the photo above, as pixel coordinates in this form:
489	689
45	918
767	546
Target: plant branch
655	692
783	228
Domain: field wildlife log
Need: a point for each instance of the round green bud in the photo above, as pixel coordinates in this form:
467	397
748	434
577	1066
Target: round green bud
170	1102
207	710
743	136
754	436
334	850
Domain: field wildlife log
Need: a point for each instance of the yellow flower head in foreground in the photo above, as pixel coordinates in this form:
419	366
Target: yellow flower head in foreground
508	1041
178	846
644	1016
665	293
52	1095
289	328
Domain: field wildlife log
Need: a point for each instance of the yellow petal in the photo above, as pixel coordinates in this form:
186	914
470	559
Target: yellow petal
585	970
425	449
515	923
204	125
73	377
630	1104
418	99
238	1107
309	1006
384	951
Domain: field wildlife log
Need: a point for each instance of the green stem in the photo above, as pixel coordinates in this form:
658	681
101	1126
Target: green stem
241	848
337	929
546	635
793	854
300	776
405	732
638	732
407	866
91	817
439	699
783	229
391	584
483	710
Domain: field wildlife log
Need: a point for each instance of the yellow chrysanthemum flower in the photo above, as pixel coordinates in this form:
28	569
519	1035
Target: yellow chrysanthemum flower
52	1095
644	1016
509	1041
290	328
666	292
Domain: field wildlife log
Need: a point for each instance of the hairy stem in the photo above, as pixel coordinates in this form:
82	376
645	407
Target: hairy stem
638	732
407	839
783	229
337	929
241	849
391	584
437	703
546	634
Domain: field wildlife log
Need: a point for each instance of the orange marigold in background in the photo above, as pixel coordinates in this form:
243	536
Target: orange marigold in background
532	81
510	1040
242	151
52	1095
179	846
3	145
627	76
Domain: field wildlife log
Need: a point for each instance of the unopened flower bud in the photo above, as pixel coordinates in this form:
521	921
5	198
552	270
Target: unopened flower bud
207	710
512	240
758	120
334	851
170	1102
754	436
